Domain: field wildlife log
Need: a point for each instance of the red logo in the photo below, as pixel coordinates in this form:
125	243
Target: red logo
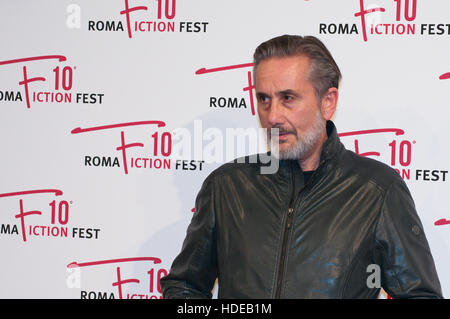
143	286
54	219
161	20
162	146
62	83
127	12
372	25
445	76
59	214
249	88
362	14
399	154
27	80
442	222
405	15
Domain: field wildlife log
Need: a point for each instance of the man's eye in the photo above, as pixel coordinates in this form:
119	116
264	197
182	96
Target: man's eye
288	98
263	99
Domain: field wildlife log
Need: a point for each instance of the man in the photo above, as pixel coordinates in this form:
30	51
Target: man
315	227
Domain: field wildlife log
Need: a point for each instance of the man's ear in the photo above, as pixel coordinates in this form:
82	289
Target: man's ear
329	103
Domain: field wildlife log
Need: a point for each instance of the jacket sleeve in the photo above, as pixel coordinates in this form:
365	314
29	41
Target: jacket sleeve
402	251
194	270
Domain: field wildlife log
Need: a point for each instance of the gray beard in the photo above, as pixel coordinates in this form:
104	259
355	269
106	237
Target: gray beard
304	144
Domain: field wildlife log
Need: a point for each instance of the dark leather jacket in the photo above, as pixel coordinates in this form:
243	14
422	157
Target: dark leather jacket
271	236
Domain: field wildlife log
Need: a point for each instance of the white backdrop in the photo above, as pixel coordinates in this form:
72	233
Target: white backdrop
89	105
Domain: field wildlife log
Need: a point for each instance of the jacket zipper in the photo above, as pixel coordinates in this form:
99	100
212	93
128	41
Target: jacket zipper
283	251
287	227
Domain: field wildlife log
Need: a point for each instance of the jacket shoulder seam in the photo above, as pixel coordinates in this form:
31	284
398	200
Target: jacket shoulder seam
369	178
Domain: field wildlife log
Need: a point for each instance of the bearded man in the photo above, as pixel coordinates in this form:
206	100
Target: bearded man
315	227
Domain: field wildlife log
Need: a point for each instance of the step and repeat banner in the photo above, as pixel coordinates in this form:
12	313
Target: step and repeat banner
113	112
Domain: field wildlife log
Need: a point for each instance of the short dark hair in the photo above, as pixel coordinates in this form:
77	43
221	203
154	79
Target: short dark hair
324	72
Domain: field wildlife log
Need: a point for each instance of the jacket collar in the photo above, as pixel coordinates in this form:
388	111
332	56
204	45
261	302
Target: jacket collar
332	146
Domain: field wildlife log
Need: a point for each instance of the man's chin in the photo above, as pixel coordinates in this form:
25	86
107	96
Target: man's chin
283	152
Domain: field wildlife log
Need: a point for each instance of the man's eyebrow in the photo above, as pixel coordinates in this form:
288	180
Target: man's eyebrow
288	92
279	93
261	94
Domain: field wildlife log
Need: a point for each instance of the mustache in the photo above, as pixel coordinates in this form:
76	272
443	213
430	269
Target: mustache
281	130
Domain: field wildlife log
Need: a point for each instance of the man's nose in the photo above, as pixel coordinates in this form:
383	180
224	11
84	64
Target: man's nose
275	116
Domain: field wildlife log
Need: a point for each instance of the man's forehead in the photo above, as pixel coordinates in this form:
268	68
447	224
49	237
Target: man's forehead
300	60
285	71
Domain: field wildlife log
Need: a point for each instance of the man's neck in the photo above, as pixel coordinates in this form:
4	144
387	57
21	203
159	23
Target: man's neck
311	162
